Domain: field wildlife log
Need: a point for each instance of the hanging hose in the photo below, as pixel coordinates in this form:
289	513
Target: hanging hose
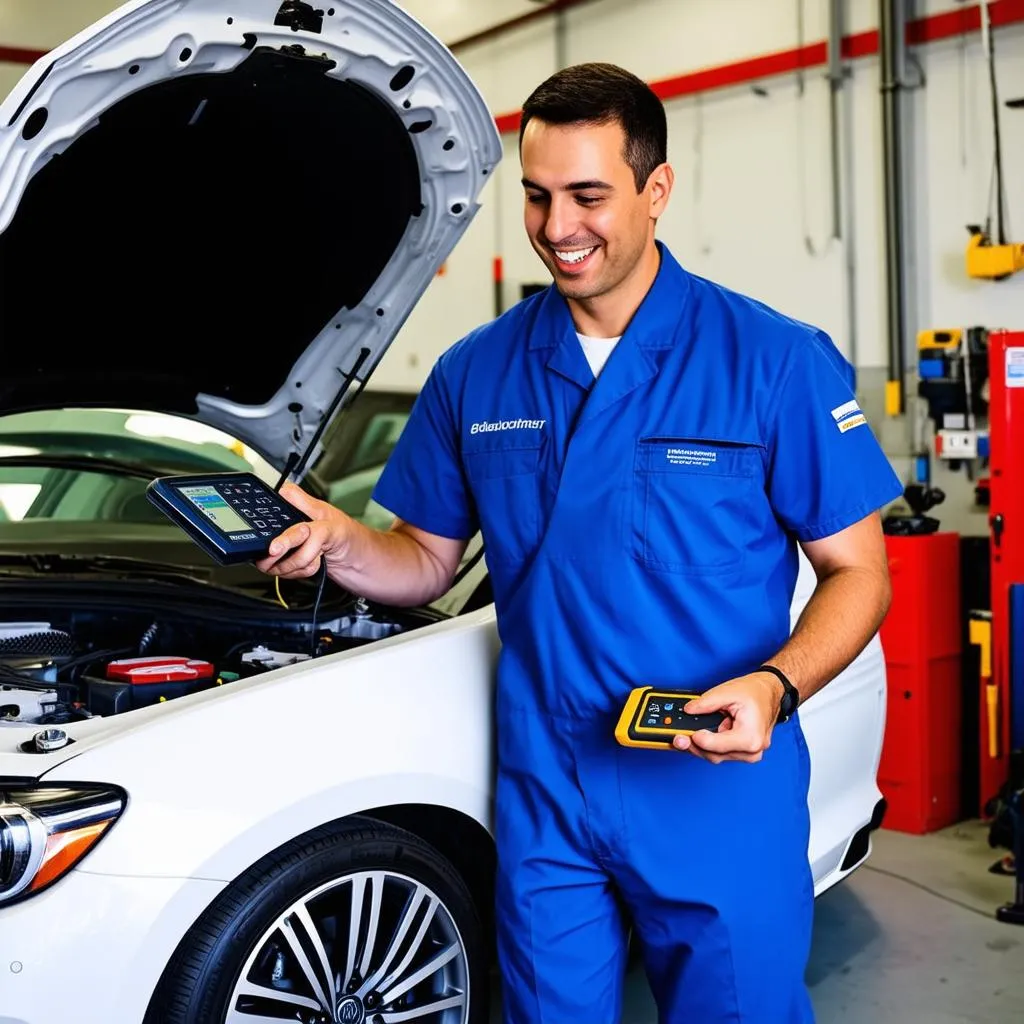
997	170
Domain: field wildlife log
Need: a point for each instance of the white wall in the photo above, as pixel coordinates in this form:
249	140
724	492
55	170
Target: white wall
42	24
752	204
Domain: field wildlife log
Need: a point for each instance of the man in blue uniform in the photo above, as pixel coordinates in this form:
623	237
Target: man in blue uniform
643	451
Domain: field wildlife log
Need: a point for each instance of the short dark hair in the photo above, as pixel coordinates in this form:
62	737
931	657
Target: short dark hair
601	94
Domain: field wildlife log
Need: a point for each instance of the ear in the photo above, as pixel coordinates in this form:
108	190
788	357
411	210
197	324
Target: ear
659	188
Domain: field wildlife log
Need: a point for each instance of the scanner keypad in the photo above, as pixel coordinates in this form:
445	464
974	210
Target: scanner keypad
262	507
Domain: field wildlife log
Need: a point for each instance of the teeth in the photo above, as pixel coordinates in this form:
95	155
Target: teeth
575	257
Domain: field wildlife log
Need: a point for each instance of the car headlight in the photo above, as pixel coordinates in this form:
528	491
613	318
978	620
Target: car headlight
46	830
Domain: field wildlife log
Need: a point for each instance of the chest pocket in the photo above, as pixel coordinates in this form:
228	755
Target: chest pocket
695	503
506	488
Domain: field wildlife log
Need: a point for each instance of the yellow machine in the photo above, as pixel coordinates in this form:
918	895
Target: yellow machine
944	339
992	262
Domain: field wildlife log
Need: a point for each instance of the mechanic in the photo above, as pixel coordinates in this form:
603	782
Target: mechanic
643	451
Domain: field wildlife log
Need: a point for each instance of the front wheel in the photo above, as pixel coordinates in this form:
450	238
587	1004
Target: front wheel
354	923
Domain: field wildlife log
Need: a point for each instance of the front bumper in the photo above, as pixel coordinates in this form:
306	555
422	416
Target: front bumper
93	946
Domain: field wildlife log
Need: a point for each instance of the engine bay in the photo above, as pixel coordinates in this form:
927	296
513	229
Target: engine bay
72	664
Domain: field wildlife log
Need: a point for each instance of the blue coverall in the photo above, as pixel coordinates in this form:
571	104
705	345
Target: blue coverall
641	529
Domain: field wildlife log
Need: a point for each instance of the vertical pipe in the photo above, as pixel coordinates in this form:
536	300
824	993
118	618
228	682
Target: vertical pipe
986	38
561	40
835	81
892	29
843	171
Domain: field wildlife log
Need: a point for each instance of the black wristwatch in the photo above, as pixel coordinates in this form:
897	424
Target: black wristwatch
790	695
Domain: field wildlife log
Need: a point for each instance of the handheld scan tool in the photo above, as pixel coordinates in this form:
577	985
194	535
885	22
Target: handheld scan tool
653	718
233	517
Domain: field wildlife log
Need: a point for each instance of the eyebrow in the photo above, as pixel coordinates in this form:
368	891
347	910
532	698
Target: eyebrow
573	186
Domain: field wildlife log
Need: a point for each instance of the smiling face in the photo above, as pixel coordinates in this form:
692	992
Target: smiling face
583	214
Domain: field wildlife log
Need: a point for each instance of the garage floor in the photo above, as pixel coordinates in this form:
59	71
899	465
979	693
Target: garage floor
909	937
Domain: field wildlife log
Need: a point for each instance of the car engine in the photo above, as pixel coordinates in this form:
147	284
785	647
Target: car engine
84	663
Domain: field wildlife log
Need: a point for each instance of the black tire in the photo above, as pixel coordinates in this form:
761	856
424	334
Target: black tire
199	980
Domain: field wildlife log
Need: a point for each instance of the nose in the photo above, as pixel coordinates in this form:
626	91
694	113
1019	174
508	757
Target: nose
562	219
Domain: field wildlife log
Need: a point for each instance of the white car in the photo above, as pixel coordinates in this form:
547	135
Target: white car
224	212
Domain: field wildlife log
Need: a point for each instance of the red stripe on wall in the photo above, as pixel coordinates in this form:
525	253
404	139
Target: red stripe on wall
742	71
18	55
963	19
863	44
1004	12
509	122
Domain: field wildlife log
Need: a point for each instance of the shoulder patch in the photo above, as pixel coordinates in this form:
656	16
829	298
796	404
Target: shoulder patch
844	410
850	422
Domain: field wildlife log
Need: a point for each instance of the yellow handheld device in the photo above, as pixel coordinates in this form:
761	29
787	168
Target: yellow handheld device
653	718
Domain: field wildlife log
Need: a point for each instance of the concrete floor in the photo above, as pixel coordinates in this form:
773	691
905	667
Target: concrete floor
909	938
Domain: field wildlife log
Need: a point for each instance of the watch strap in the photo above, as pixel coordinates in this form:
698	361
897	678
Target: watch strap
790	695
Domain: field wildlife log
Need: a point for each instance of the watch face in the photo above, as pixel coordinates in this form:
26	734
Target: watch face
790	695
790	699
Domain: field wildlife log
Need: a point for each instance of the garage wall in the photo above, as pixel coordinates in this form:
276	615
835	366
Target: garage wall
753	205
33	25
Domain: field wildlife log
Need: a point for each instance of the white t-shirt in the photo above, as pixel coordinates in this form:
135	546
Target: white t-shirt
597	351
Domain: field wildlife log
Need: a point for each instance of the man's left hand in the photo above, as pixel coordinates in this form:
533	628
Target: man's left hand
751	705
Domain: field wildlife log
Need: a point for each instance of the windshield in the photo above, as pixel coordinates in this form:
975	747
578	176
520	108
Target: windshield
93	465
88	469
356	448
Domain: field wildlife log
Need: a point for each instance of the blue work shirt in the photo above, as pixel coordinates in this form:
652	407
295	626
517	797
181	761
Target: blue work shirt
639	529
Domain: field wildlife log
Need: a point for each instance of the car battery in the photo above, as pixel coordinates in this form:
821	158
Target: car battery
151	679
105	698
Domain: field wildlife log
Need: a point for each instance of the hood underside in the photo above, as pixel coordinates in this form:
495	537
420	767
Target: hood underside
231	242
211	225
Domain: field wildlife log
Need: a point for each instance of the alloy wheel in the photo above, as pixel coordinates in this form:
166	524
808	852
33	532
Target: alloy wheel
370	947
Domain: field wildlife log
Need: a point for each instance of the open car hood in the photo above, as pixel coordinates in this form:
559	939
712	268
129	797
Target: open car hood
227	210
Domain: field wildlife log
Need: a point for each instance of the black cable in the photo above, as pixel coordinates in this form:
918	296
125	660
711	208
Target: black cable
14	680
321	580
86	659
296	462
289	465
1000	194
927	889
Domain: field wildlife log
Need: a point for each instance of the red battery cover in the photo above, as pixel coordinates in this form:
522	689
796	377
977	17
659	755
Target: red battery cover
141	671
123	668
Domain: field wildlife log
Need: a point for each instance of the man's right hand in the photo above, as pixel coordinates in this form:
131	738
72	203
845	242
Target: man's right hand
296	553
403	565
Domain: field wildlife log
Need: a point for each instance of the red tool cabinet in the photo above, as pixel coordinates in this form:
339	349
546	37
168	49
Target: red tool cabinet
1006	522
919	774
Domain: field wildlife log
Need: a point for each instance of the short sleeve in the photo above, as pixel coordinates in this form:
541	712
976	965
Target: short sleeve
423	481
826	469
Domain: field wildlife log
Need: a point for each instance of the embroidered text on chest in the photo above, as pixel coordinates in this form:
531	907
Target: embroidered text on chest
489	426
691	456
